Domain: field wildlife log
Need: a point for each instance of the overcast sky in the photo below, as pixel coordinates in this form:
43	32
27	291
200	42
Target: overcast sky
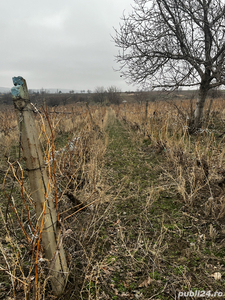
60	44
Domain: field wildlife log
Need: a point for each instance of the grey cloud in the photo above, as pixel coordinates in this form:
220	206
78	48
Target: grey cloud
60	44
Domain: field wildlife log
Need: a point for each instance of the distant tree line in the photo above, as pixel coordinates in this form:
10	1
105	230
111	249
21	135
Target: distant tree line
106	96
110	95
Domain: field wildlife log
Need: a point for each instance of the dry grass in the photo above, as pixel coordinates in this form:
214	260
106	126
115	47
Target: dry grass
141	201
78	155
197	160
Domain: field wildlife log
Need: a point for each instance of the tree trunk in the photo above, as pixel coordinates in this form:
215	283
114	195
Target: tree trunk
198	115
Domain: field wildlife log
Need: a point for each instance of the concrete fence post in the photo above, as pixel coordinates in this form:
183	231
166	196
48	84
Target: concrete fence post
40	187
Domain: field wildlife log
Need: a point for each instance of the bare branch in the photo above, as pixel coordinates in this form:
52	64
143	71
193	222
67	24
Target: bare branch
172	43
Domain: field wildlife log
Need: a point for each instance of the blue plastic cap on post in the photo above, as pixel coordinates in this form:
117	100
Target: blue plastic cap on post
17	80
16	91
19	91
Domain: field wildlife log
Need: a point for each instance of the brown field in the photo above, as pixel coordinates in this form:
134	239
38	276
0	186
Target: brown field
142	202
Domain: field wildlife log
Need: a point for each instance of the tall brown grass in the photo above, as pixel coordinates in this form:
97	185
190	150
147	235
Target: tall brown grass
197	160
73	152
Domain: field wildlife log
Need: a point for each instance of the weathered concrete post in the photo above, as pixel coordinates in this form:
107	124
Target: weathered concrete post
40	187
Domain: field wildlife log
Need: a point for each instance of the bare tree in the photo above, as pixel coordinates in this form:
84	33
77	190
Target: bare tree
174	43
99	94
114	95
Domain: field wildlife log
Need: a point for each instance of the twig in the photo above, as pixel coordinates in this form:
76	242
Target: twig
1	269
153	297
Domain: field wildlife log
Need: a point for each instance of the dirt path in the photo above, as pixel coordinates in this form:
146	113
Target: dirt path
134	228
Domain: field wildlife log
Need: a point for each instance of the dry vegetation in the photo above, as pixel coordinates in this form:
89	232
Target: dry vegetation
141	201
